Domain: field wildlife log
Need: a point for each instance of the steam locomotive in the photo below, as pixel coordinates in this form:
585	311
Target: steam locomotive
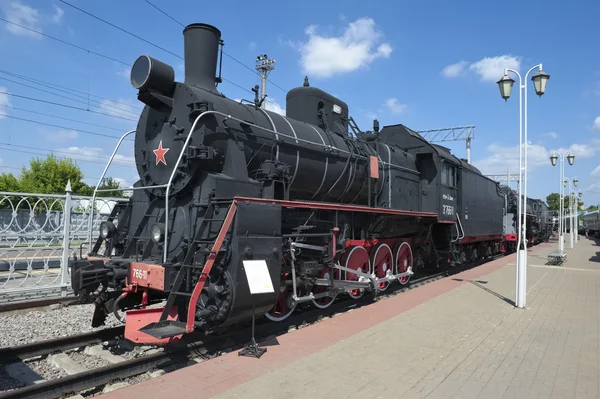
227	186
540	221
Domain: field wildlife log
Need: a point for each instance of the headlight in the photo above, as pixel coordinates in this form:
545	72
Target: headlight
157	232
107	229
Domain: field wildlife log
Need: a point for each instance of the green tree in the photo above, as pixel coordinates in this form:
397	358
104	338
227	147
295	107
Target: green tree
553	201
575	199
50	176
107	184
8	182
592	208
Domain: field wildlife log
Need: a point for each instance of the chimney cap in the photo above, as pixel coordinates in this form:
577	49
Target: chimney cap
202	26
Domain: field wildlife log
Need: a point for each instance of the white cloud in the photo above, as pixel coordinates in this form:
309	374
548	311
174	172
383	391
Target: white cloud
62	135
596	125
58	15
591	194
503	158
4	102
492	68
356	48
394	106
96	154
270	105
371	115
21	14
121	108
596	172
274	107
489	69
452	71
389	106
552	135
125	72
580	150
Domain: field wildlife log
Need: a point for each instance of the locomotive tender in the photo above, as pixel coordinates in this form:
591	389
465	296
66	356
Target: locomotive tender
223	182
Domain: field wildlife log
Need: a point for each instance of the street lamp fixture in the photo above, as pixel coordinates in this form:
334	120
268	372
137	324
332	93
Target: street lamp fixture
540	80
575	181
505	84
553	159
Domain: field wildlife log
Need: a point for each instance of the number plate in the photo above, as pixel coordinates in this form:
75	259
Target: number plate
146	275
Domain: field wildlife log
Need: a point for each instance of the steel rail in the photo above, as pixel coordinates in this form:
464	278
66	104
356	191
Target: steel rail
43	348
91	378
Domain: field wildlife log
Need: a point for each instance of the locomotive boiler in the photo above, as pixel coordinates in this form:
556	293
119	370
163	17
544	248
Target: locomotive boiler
223	184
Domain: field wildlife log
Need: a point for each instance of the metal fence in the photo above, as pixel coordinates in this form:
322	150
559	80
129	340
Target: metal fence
38	235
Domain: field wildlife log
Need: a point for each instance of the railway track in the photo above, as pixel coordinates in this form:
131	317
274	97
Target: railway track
14	305
45	348
192	349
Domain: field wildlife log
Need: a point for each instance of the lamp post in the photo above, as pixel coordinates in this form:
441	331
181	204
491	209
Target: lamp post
570	208
573	199
553	158
540	79
577	214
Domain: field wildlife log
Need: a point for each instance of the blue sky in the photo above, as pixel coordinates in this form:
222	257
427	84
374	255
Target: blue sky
425	64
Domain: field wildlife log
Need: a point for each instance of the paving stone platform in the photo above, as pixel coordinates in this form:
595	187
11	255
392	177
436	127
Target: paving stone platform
459	337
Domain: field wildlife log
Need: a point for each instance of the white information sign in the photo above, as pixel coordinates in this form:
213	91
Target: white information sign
259	279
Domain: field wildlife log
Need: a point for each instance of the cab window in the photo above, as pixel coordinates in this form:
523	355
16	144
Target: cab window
448	175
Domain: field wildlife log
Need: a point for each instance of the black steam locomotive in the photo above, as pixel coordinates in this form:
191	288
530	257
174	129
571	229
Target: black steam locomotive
226	184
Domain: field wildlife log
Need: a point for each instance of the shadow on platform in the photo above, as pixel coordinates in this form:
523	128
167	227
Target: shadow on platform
478	283
596	243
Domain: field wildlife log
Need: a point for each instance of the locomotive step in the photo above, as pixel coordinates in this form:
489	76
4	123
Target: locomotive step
164	329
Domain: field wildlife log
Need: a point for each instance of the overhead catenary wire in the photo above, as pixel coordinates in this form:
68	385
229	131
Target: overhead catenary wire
154	44
118	61
121	29
117	110
65	105
65	89
60	117
64	42
61	127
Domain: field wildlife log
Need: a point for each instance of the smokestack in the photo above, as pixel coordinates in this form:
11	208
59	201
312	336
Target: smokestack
201	46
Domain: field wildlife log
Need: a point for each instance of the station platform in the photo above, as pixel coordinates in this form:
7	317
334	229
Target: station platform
457	337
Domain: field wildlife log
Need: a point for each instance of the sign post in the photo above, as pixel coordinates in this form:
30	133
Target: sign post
259	282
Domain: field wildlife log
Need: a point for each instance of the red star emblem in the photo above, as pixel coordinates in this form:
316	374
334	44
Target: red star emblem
160	153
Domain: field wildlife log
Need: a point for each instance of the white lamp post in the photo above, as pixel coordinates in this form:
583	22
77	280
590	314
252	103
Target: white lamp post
577	213
570	158
540	79
570	208
573	201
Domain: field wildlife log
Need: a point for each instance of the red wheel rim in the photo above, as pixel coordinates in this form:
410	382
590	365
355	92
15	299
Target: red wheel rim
358	258
404	260
325	301
281	309
382	260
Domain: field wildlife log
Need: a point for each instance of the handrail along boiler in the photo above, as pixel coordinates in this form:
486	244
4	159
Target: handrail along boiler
223	181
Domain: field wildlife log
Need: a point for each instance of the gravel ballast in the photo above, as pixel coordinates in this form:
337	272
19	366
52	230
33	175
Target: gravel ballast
39	325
